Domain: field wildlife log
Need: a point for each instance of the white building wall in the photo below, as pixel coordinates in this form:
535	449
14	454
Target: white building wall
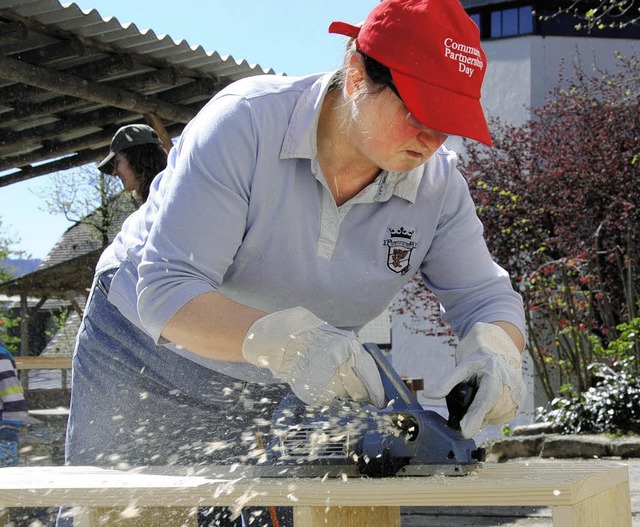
523	70
506	91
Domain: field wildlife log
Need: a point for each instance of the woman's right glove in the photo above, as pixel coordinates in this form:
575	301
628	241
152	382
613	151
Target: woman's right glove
490	356
319	362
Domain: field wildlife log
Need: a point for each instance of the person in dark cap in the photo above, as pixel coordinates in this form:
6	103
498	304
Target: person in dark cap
136	156
291	212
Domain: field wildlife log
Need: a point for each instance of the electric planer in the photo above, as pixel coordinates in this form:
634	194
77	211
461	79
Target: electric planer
400	439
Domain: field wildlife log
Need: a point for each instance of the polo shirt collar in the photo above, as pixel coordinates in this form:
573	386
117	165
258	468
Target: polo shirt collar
300	141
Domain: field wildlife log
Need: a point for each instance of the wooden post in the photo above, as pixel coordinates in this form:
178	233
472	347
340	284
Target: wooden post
137	517
156	123
347	516
414	385
597	510
24	325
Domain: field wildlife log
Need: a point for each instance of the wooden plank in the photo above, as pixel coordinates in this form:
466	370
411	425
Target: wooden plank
527	484
43	363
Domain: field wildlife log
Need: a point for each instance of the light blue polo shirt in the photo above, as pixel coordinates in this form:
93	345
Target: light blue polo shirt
243	208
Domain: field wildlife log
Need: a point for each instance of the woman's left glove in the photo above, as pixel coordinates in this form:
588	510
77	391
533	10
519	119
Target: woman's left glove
488	354
319	362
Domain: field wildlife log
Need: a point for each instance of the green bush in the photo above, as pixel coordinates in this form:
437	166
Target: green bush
612	404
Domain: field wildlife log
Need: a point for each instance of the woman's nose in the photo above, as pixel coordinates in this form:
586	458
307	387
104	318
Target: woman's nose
426	135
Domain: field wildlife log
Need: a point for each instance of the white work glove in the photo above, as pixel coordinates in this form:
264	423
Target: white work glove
488	354
318	361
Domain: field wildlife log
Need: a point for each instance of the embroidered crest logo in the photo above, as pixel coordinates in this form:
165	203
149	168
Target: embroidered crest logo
400	249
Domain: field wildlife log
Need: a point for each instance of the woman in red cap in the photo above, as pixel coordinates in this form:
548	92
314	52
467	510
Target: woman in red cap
291	211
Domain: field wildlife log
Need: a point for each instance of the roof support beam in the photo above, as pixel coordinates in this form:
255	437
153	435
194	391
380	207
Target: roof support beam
17	144
53	166
66	84
95	141
52	54
199	89
84	156
12	31
26	112
96	70
18	148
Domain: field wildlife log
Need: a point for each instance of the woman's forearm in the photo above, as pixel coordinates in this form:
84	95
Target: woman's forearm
213	326
514	333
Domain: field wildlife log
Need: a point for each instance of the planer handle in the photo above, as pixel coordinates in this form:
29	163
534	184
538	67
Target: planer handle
395	388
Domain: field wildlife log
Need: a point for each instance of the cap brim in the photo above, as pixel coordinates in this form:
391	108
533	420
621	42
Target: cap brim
342	28
443	110
106	165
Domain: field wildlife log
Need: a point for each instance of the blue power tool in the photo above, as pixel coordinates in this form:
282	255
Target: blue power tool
400	439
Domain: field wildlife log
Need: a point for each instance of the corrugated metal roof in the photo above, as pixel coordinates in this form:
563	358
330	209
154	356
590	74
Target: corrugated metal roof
69	79
89	24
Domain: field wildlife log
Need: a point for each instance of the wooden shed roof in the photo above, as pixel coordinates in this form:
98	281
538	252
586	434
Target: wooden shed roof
69	79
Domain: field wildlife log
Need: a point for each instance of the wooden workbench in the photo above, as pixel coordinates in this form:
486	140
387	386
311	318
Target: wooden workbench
56	362
580	494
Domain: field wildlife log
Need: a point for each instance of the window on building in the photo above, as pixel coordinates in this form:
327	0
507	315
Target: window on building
509	18
512	22
525	20
476	18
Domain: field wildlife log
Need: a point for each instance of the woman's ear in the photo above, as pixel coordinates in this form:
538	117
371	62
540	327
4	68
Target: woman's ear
356	77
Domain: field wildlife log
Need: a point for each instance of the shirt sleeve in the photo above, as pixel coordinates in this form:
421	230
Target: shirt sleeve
201	211
460	271
14	406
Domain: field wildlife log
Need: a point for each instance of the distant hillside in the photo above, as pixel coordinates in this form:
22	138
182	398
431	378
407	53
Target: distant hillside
20	266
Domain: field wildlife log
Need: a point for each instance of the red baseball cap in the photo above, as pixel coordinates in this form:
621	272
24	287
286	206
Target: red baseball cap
432	48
